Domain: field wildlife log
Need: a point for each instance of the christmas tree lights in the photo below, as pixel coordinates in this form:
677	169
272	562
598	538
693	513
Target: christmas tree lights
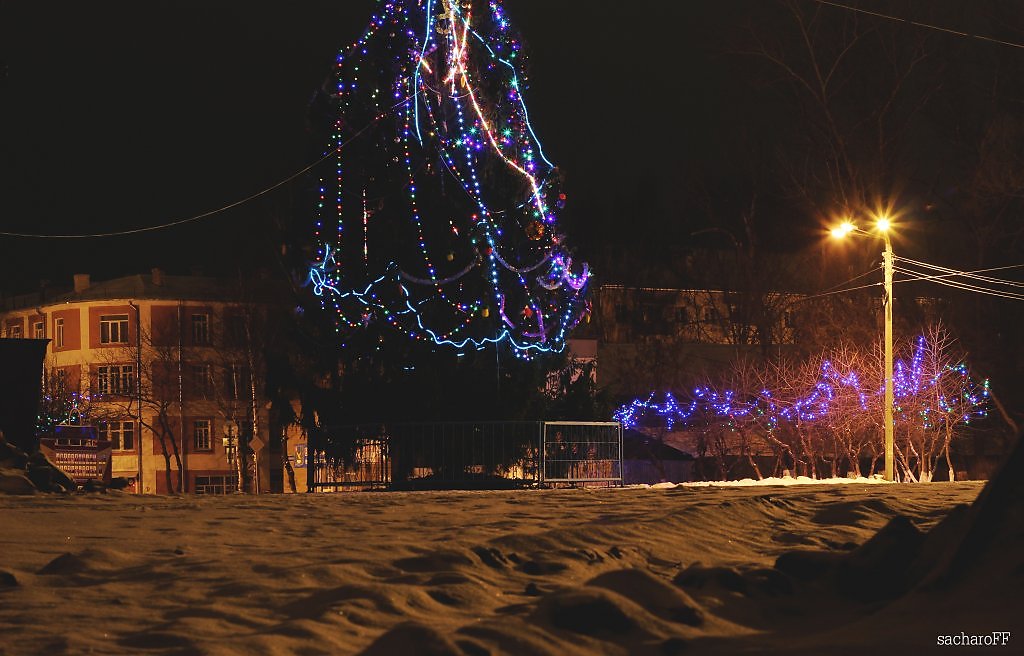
443	201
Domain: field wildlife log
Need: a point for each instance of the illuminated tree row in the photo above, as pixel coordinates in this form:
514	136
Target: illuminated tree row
830	408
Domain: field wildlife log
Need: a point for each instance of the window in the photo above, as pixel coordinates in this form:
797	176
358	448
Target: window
120	433
202	380
115	379
114	329
14	332
58	332
39	330
215	484
60	381
235	328
237	382
200	329
201	435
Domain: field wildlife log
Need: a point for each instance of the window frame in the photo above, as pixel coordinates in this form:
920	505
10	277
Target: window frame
58	331
201	329
107	328
207	438
115	379
124	428
201	379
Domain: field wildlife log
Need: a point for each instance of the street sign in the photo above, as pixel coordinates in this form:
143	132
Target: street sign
256	444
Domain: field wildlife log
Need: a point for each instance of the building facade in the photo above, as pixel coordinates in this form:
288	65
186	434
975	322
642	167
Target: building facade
169	369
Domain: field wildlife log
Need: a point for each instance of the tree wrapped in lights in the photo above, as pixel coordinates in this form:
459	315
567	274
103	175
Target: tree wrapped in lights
936	399
824	411
438	217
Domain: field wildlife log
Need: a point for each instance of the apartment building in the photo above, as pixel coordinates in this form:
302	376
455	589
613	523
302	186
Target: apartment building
169	370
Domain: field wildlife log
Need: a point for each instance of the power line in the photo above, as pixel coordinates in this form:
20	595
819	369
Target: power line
919	24
197	217
855	278
938	280
967	274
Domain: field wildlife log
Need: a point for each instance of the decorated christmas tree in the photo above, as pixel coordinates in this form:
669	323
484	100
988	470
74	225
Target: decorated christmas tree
439	215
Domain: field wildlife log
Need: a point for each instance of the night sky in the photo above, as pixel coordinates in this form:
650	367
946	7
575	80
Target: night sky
116	115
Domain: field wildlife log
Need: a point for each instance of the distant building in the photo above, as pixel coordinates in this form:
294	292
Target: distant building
658	338
168	367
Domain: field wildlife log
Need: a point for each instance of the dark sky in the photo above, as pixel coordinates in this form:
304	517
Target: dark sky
123	114
116	114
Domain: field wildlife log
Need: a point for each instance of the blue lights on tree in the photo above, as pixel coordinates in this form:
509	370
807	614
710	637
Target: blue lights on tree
925	390
439	215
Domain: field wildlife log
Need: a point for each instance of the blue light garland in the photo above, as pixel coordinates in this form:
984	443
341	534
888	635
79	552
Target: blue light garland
909	384
463	270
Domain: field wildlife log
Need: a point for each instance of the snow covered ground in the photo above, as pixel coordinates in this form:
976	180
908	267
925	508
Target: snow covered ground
618	571
772	481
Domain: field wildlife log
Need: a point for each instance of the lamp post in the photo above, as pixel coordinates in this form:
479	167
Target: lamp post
883	226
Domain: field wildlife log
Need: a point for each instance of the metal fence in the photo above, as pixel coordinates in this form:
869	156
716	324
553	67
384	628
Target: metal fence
463	455
582	452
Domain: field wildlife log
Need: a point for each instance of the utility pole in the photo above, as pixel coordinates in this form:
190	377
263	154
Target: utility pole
887	414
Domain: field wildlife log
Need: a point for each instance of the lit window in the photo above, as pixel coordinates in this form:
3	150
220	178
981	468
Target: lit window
201	434
114	329
39	330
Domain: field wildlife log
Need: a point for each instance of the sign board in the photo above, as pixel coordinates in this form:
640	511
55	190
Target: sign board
301	454
79	452
256	444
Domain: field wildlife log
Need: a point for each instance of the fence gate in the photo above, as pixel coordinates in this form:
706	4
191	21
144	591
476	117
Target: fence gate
581	452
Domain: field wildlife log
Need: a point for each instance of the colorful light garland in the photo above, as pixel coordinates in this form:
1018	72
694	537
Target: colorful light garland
465	249
909	384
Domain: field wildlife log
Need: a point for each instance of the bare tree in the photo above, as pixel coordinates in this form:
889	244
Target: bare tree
143	380
939	399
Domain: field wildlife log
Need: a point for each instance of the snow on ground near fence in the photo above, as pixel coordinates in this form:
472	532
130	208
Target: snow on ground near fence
774	480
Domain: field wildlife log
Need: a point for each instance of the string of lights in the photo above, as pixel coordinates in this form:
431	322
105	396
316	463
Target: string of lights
481	266
958	396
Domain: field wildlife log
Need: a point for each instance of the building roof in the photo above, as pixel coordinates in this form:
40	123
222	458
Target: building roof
166	287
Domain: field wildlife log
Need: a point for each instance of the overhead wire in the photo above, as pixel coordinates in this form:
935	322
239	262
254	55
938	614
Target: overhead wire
929	26
207	214
967	274
960	285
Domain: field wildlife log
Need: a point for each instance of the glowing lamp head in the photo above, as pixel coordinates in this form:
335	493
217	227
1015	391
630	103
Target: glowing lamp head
843	230
883	224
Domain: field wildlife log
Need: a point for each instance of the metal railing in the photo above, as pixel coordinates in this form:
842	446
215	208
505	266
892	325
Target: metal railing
463	455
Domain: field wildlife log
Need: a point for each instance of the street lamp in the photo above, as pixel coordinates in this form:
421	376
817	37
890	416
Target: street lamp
883	226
